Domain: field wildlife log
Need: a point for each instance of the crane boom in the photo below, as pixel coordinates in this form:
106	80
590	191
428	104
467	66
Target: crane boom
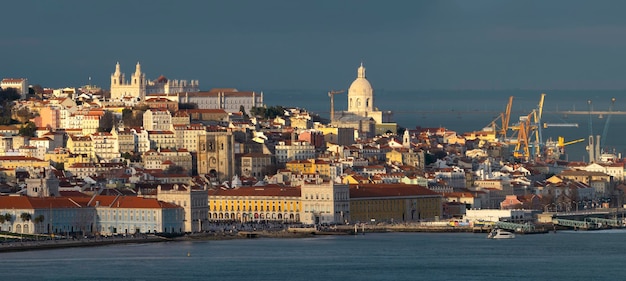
506	118
562	143
332	94
538	116
605	131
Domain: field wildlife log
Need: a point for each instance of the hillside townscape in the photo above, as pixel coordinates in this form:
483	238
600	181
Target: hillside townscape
162	156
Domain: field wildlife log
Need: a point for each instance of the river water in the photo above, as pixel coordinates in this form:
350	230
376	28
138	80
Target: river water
566	255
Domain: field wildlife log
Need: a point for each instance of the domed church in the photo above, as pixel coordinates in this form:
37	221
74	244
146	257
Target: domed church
362	114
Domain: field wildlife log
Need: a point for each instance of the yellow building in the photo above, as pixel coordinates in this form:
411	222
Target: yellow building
406	156
393	203
81	145
341	136
269	202
63	155
324	169
301	166
23	162
355	179
394	156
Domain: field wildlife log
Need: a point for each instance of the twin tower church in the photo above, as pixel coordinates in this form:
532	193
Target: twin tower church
361	114
138	87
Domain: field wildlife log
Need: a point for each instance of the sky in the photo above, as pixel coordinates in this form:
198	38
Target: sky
262	45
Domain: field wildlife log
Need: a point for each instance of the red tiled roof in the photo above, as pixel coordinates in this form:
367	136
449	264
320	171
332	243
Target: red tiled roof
24	202
13	80
129	202
19	158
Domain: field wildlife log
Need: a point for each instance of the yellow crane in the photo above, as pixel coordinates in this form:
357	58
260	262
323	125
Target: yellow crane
332	94
556	149
562	143
529	125
524	130
505	118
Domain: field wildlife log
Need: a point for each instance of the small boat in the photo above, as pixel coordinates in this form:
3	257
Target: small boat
500	234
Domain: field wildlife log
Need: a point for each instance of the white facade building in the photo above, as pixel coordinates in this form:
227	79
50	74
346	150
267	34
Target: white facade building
157	120
19	84
324	202
135	90
229	100
294	150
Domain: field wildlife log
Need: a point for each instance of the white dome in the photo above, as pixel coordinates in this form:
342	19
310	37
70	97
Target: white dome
359	85
360	94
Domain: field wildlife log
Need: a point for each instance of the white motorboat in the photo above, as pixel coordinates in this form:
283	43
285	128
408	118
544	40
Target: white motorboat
500	234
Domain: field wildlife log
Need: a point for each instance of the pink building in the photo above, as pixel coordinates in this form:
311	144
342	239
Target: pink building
48	116
316	138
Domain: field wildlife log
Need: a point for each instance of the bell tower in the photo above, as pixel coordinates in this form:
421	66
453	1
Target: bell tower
139	82
216	155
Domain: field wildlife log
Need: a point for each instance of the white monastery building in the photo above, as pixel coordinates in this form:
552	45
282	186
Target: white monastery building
137	88
19	84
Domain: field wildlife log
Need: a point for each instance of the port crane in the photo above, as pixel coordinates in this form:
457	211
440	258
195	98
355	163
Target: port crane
537	118
555	150
593	146
528	126
332	94
564	125
524	129
605	131
504	118
562	143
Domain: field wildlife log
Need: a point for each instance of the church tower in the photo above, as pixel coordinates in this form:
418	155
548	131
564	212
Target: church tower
406	139
361	94
139	81
117	78
122	89
43	184
216	154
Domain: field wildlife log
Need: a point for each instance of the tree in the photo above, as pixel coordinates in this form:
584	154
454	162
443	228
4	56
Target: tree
183	106
6	120
107	121
28	130
59	166
8	217
174	169
132	118
25	216
9	94
38	220
37	89
400	130
269	112
23	114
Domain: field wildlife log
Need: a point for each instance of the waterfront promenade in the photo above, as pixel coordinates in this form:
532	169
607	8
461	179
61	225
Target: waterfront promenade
236	230
28	245
227	231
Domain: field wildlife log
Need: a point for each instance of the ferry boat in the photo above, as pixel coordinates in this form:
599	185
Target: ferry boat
500	234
